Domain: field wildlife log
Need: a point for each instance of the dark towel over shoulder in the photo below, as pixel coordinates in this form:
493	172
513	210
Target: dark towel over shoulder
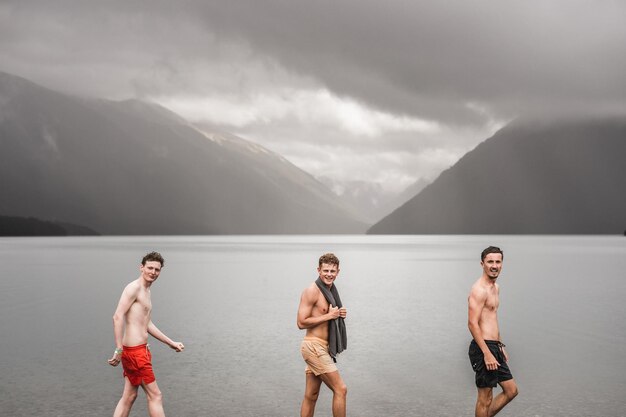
337	336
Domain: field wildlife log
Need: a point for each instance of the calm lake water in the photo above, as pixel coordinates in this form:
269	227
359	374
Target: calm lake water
233	301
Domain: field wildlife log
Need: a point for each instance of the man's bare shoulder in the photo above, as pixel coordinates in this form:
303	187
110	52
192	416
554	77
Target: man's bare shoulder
479	289
132	288
128	297
311	292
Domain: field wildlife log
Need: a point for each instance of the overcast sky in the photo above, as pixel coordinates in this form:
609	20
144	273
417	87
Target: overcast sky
384	91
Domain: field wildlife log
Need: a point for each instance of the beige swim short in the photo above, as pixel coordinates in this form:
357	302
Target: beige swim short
315	353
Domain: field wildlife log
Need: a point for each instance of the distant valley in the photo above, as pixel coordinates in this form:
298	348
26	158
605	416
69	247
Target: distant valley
135	168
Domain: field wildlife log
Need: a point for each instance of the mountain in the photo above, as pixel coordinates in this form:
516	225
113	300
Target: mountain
22	226
370	199
399	199
134	168
564	176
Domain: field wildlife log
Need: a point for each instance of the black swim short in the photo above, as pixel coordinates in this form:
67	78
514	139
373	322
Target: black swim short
484	377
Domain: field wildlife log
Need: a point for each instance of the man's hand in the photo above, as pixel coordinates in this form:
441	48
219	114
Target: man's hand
343	312
115	360
490	362
177	346
333	312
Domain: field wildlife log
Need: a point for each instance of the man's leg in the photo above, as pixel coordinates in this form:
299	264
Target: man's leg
311	392
126	402
483	402
509	391
335	383
155	399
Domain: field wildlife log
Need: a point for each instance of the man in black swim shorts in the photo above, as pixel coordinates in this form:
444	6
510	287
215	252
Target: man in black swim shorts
485	378
486	352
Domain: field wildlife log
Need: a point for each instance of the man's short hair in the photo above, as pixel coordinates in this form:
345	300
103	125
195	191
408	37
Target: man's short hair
153	257
329	258
491	249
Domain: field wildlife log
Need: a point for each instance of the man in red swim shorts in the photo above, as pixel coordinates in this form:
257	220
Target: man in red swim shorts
137	364
131	327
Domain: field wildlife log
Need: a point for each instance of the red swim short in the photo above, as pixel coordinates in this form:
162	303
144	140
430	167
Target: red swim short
136	361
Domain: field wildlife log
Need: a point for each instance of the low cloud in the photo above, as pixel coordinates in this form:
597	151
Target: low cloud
382	91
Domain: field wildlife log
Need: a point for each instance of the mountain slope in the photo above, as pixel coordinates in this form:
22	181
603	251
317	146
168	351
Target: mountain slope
137	168
22	226
565	176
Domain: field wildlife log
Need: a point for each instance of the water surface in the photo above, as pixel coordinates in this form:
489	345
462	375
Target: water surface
233	300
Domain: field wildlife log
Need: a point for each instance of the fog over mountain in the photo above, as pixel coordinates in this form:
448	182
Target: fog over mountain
381	92
565	176
371	199
132	167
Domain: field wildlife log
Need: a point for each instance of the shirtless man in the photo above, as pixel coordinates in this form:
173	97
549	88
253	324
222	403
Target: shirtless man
314	314
131	326
486	352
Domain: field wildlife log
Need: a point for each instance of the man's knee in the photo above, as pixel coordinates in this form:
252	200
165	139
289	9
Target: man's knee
154	396
312	395
485	402
341	390
129	397
511	392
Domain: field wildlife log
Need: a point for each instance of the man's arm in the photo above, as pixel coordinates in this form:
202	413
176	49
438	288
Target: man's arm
129	295
476	303
305	319
159	335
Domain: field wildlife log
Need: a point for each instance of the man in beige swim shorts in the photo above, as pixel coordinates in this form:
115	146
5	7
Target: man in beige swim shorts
322	315
315	353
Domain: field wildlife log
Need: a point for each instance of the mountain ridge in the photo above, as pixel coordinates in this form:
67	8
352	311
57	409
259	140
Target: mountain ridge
132	167
559	176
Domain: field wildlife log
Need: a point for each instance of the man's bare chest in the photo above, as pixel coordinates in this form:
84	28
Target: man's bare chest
321	306
143	304
492	303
